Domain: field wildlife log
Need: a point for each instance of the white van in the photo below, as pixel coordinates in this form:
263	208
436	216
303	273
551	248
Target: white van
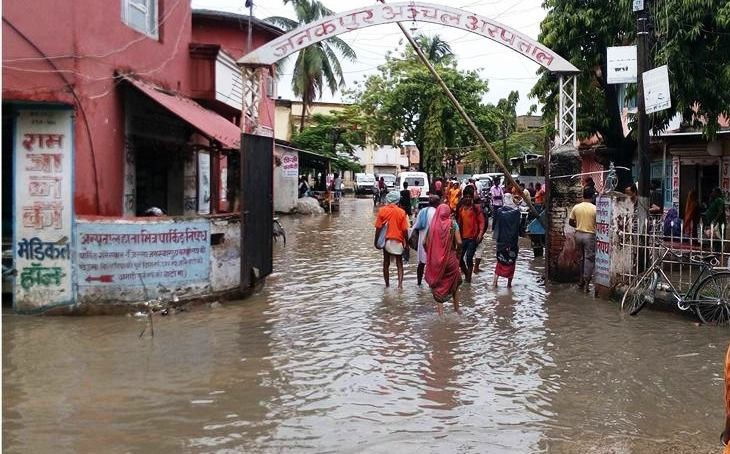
419	179
364	183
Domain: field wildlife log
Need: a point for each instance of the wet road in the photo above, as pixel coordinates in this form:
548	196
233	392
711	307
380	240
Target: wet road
325	359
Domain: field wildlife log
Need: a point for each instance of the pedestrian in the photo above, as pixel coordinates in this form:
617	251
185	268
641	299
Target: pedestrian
443	274
496	194
454	195
539	197
405	199
480	204
337	186
395	236
632	192
438	187
382	190
590	185
303	187
471	227
415	193
725	436
506	237
525	193
583	218
423	222
531	189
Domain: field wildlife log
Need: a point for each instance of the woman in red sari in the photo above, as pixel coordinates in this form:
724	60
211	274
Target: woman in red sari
442	242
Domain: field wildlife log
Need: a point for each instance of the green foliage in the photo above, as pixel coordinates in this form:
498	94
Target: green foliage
317	66
691	36
405	100
335	136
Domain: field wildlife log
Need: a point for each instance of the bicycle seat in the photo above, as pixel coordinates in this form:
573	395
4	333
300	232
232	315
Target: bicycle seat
706	258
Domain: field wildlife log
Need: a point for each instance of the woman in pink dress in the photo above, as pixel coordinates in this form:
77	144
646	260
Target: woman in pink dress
442	258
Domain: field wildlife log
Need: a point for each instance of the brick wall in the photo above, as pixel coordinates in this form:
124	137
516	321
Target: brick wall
563	194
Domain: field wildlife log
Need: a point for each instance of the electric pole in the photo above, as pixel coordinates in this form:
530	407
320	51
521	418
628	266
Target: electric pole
642	65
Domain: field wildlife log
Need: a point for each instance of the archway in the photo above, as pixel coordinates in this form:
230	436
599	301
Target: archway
379	14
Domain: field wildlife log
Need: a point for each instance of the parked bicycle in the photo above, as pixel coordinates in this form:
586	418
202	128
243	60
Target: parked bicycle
708	296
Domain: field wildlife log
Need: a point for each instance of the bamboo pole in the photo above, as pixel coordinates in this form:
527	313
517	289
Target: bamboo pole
465	116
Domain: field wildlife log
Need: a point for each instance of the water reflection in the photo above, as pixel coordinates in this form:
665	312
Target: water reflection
327	360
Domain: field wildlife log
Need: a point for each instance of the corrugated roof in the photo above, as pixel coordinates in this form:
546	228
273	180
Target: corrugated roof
209	123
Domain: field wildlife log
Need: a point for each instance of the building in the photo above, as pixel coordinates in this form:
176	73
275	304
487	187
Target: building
108	112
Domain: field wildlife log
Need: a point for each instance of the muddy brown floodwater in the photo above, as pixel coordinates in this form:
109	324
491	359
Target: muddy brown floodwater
325	359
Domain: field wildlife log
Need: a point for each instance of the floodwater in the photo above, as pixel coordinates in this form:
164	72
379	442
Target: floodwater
325	359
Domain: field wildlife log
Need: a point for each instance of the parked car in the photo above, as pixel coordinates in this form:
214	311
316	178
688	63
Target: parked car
364	183
419	179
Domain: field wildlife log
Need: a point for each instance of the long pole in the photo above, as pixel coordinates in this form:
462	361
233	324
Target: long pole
642	65
464	115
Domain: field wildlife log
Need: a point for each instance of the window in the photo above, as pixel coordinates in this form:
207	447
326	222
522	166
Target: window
141	15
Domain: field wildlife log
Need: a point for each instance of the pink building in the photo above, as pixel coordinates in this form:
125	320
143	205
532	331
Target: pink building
109	110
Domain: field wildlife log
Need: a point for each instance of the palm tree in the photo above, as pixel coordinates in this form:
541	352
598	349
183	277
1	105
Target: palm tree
317	66
437	50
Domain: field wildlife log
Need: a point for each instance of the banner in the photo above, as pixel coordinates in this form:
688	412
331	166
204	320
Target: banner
42	239
656	89
290	165
621	65
603	241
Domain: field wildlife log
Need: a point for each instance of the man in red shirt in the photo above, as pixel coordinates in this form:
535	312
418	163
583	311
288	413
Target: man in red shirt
395	236
471	227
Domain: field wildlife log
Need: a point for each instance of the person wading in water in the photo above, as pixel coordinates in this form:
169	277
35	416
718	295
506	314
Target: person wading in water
395	236
423	222
442	243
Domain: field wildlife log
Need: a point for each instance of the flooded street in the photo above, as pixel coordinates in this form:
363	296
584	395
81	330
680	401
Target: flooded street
325	359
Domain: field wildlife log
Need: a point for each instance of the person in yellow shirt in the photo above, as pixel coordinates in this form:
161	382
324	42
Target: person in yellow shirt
583	218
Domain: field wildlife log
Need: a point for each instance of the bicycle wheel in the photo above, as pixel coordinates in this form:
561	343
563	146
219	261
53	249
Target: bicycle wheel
639	293
711	300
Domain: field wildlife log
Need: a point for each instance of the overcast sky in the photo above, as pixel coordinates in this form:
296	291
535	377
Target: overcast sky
505	69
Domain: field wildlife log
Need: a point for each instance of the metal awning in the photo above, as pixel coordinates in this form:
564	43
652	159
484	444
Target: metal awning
209	123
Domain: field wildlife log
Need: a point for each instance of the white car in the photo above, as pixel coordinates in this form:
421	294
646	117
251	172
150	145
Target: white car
364	183
417	179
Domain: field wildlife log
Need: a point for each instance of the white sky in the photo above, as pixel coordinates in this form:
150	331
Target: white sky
505	69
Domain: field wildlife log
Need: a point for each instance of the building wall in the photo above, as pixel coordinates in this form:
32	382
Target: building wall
286	187
102	44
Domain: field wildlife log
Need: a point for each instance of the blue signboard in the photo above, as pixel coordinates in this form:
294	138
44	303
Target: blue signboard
142	253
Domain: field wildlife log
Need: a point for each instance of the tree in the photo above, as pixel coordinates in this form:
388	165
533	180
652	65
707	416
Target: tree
691	36
405	100
317	66
437	50
334	136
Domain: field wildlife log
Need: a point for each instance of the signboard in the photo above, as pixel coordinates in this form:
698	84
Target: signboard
290	165
638	5
43	208
203	183
621	65
675	182
656	89
603	241
141	254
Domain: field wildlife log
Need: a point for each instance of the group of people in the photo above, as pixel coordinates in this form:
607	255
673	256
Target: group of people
448	235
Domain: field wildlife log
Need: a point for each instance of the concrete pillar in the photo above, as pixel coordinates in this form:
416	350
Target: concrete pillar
563	194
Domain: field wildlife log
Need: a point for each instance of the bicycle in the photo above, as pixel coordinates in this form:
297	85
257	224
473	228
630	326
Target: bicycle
708	296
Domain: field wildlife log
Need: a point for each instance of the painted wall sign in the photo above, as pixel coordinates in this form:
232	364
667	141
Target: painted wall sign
675	182
656	89
290	165
621	65
43	208
603	243
203	183
140	254
368	16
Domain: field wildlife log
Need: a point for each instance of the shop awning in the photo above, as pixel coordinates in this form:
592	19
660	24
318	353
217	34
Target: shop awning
209	123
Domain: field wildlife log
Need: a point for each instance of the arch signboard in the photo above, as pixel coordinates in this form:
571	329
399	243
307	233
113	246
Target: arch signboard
380	14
